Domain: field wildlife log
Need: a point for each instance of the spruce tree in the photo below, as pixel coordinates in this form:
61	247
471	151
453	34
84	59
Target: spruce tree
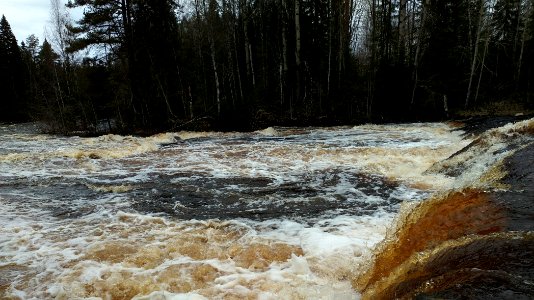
140	38
29	50
11	75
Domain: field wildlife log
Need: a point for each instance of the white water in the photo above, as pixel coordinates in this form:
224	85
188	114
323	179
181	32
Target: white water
282	213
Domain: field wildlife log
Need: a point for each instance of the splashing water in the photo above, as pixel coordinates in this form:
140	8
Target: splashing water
283	213
474	241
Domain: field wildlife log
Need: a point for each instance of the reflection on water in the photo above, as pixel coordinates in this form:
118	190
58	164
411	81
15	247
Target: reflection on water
280	213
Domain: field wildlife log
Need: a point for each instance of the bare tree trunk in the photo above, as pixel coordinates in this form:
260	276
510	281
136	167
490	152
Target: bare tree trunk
210	15
475	53
162	90
191	114
238	69
59	100
418	52
524	37
236	57
402	31
283	59
470	22
201	57
389	31
486	44
330	33
231	74
183	91
284	35
59	21
127	28
216	75
372	65
281	86
297	33
412	33
169	109
341	28
445	106
248	47
251	64
518	26
297	55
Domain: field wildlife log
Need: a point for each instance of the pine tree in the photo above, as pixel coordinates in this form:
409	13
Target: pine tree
140	38
30	49
11	75
154	68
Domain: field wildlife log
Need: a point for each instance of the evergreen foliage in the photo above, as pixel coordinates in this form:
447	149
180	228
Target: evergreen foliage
12	85
246	64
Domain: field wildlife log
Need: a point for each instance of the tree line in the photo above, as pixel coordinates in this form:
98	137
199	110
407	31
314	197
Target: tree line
149	65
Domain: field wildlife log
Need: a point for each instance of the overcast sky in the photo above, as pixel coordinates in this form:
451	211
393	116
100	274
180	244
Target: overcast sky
29	16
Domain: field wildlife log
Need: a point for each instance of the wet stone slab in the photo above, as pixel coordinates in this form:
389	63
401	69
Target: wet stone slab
261	199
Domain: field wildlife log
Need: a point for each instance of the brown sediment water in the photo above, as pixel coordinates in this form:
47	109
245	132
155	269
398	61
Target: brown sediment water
7	272
473	242
285	213
432	222
494	260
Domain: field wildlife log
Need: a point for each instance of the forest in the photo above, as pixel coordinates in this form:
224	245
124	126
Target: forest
142	66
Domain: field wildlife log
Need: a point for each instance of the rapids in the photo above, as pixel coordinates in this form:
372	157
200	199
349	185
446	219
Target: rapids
282	213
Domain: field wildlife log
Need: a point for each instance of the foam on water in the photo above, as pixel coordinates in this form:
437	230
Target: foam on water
482	154
475	237
285	213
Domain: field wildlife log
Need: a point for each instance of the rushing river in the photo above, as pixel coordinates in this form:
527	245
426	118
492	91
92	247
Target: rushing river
283	213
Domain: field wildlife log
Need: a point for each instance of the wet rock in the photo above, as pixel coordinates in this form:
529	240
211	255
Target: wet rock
518	199
477	125
476	243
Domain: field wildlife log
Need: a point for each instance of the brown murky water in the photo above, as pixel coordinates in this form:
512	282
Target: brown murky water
277	214
473	242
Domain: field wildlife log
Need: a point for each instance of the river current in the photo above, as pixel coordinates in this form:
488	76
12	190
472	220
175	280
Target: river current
282	213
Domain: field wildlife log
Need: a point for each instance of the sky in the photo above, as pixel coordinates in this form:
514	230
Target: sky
29	16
